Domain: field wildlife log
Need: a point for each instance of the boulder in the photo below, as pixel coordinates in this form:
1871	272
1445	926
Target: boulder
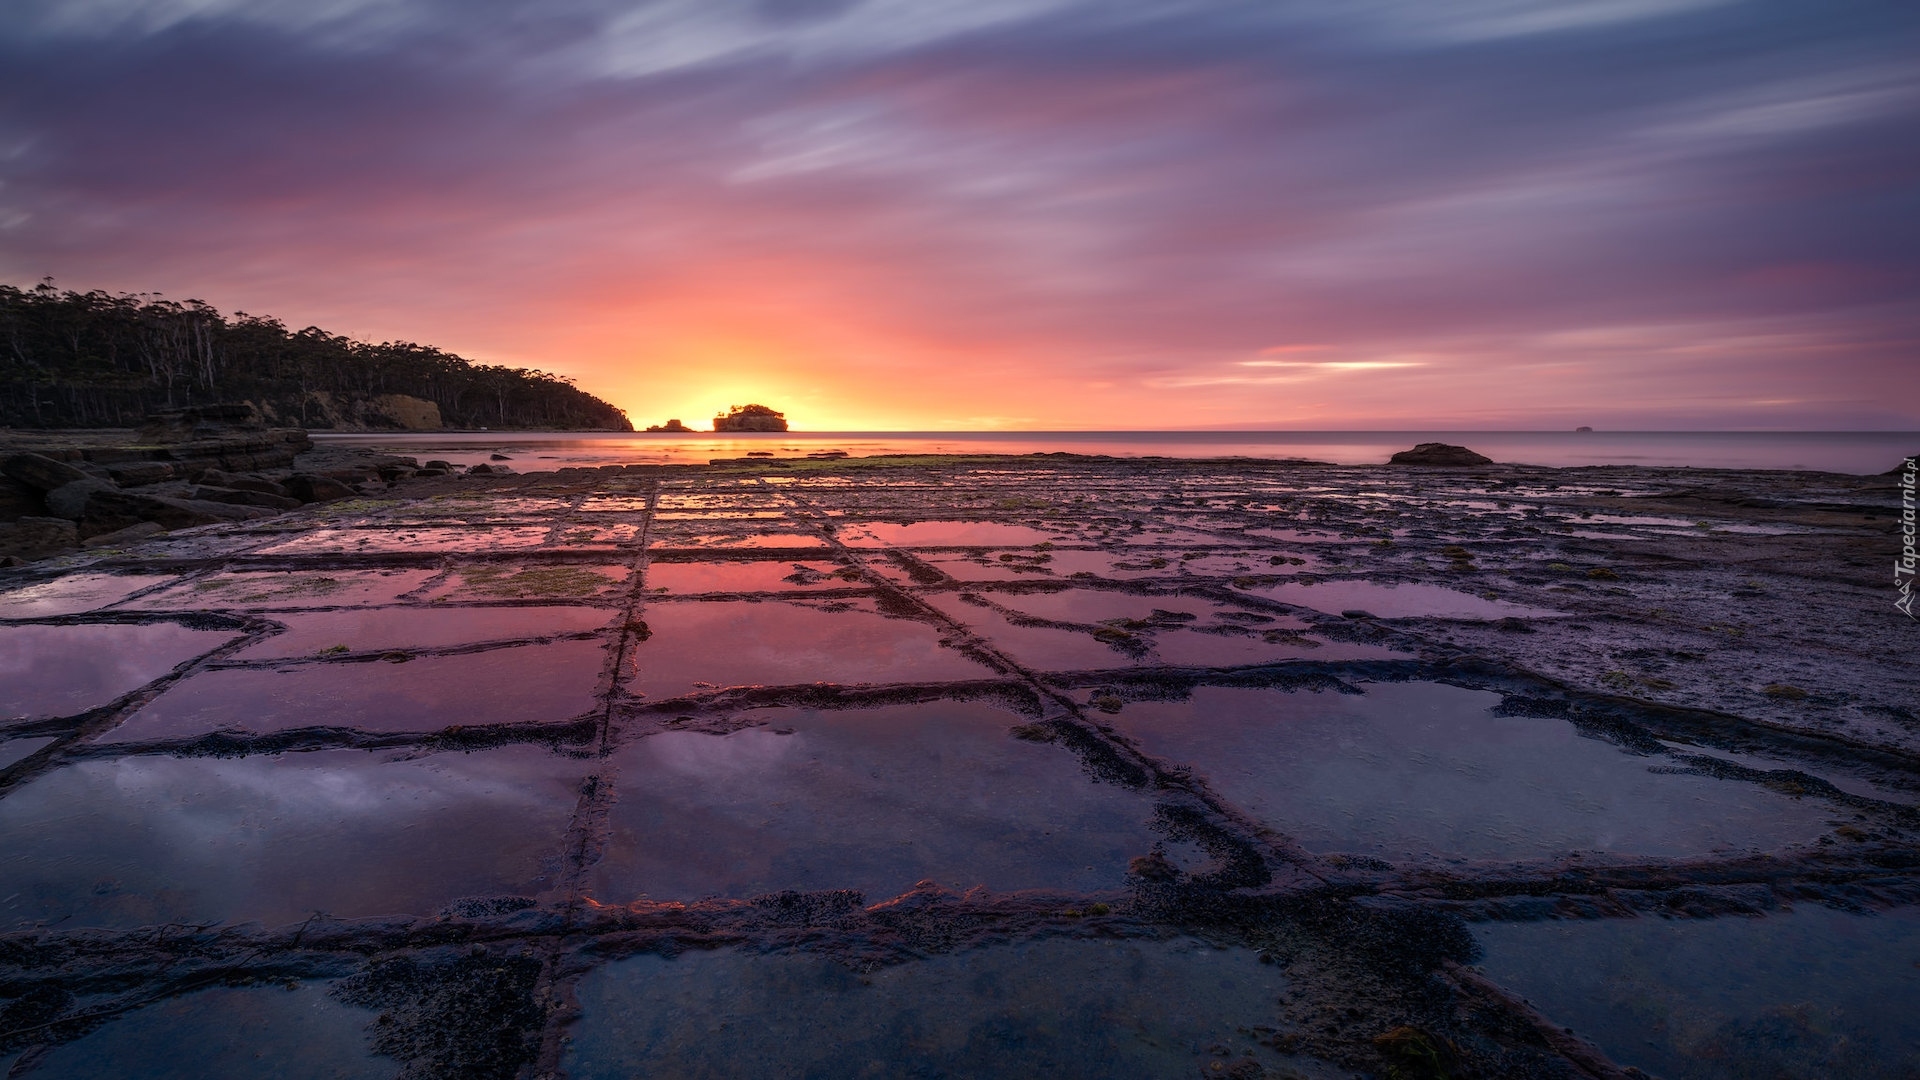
243	497
100	507
128	535
241	452
18	500
1433	453
40	472
138	473
70	500
113	509
240	482
308	487
201	422
37	537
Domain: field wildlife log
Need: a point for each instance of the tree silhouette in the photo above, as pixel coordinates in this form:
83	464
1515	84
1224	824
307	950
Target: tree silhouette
72	359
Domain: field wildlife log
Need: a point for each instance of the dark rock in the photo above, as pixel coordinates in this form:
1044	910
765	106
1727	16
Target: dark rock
498	457
200	422
137	473
243	497
1433	453
1153	866
109	455
393	473
444	466
431	471
1900	468
308	487
40	472
483	469
223	511
70	500
234	453
477	1017
18	500
240	482
113	509
37	537
128	535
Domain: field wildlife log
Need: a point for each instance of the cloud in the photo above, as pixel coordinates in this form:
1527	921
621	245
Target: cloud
916	206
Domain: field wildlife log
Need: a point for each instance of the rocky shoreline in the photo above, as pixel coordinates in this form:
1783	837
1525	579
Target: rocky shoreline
1537	706
62	491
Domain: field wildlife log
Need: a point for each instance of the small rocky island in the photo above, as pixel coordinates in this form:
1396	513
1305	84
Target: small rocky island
751	418
1444	454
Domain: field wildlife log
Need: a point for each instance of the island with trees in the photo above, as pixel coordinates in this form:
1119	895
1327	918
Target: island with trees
751	418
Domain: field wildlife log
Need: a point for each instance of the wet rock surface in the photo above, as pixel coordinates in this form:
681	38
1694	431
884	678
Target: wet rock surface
63	490
965	767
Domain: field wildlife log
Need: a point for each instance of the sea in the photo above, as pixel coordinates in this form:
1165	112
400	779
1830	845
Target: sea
1857	452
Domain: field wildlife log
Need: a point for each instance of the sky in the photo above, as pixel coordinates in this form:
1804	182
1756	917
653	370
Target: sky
1019	214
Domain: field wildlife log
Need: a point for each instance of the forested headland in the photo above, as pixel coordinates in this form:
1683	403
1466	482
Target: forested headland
92	359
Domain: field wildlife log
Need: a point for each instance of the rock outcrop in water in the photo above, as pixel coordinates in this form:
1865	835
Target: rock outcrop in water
1433	453
751	418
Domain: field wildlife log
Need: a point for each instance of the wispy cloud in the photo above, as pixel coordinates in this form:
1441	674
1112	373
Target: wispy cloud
1071	214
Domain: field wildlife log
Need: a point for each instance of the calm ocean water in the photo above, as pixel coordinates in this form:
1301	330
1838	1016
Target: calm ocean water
1827	451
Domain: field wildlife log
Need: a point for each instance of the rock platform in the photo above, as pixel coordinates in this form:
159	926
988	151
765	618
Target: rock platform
1228	768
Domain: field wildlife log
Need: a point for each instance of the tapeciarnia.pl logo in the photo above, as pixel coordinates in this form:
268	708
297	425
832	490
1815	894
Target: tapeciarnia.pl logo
1903	567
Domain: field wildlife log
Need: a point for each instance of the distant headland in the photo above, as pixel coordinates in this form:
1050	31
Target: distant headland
95	360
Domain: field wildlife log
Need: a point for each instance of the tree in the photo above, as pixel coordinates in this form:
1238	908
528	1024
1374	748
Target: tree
69	359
